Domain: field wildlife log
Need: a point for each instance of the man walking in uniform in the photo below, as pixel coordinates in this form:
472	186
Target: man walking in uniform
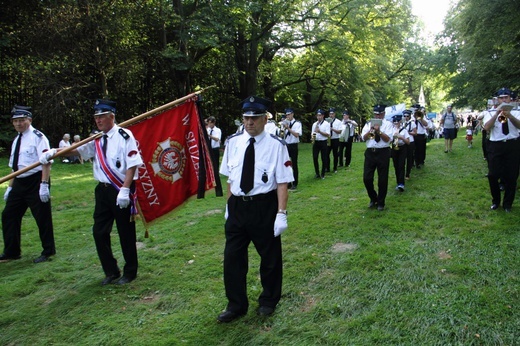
349	128
320	134
258	168
503	150
28	190
116	158
377	156
293	131
335	130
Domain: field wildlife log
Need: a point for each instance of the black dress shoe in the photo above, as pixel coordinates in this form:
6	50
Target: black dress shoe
5	258
507	209
372	204
494	206
265	311
109	279
124	280
380	207
41	259
229	316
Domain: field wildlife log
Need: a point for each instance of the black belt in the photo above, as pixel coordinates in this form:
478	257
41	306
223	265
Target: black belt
506	140
259	197
105	184
321	141
377	149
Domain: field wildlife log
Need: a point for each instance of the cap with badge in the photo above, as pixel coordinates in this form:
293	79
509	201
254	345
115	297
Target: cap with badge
289	111
320	112
502	92
332	110
378	109
345	112
102	107
407	112
397	118
19	111
254	106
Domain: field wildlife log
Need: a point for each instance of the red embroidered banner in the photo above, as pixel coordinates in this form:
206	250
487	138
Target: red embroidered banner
176	160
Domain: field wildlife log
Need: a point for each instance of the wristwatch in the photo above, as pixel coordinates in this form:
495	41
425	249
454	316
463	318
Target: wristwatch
281	211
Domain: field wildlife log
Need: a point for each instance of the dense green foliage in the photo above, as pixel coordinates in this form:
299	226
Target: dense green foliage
58	56
437	267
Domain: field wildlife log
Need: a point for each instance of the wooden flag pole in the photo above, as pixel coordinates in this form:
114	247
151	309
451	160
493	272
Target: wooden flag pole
125	123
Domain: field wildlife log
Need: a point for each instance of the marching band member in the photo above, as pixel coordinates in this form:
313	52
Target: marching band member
349	128
410	147
400	142
320	134
420	138
503	150
377	156
335	130
292	133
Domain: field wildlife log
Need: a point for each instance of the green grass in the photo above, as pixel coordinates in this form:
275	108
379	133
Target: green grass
437	267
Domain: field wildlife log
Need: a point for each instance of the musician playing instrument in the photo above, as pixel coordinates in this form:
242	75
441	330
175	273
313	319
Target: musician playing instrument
410	147
349	127
503	150
420	138
321	132
399	146
335	130
377	134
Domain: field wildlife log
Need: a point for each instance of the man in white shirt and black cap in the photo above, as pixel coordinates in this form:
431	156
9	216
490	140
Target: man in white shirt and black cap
293	131
377	134
349	129
503	150
320	133
258	168
336	127
27	190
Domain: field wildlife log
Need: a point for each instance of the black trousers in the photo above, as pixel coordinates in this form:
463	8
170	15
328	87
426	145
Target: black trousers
105	212
399	159
485	142
376	160
26	194
319	147
215	161
345	147
293	154
334	148
420	149
503	163
410	152
252	221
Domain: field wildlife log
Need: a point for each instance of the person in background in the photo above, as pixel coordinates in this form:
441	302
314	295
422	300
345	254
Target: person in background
258	168
410	126
293	131
116	159
320	134
336	127
77	158
30	189
400	142
421	123
377	156
215	135
469	136
503	150
349	129
449	123
65	143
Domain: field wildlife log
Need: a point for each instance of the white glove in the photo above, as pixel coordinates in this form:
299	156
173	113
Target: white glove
9	188
226	214
123	197
45	158
280	224
44	193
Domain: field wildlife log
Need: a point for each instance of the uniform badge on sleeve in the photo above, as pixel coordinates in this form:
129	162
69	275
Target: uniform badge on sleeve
288	163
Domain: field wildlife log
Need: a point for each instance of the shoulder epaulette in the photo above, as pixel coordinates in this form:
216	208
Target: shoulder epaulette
235	134
38	133
281	140
124	134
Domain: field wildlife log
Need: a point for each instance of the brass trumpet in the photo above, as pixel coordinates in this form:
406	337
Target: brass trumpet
502	118
313	137
418	115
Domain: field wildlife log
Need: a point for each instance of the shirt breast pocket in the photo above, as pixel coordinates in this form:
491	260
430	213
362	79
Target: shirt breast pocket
264	172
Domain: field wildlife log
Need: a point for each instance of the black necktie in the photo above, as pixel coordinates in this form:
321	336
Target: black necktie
211	132
104	145
505	128
17	152
248	170
377	137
